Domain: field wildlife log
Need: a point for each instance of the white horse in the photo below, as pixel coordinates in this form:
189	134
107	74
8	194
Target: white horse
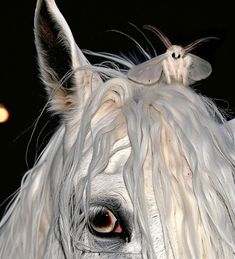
133	171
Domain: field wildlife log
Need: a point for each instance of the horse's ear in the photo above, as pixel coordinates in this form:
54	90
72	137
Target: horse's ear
60	59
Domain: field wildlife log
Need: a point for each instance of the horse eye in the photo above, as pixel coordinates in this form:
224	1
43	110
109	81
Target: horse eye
103	222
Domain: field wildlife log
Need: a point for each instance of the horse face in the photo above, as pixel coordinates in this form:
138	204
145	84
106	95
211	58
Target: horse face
112	228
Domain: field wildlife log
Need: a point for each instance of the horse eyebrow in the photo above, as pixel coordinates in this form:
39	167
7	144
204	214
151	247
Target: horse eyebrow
113	203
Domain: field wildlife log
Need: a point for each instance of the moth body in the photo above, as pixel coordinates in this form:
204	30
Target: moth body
177	64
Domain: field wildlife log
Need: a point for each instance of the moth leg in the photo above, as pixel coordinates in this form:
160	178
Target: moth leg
166	70
182	72
172	65
178	70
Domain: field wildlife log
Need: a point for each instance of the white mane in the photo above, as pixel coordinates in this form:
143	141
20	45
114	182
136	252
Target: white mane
192	152
168	144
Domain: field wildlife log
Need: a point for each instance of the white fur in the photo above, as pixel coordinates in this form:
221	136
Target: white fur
163	152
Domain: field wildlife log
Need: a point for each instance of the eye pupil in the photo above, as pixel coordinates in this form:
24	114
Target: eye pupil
102	219
103	223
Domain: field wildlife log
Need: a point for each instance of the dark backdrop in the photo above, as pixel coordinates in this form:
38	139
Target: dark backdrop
90	21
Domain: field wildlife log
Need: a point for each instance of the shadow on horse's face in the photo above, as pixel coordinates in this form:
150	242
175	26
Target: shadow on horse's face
132	171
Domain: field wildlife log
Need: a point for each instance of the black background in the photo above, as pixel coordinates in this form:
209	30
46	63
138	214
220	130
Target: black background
90	21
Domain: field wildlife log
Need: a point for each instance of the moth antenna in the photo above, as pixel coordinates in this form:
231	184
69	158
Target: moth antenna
160	34
145	37
132	39
196	43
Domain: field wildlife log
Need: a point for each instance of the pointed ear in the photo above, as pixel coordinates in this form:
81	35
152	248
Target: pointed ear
60	60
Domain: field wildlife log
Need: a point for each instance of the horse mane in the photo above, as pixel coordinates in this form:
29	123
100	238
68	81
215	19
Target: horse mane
192	152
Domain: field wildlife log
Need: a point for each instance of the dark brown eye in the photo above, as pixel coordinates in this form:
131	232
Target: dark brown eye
175	56
102	221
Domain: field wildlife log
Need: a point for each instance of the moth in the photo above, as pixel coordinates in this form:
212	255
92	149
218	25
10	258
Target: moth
176	64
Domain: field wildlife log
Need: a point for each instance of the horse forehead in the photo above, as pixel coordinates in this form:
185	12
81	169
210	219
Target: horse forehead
111	181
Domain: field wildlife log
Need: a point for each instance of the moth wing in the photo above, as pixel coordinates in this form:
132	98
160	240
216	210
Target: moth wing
199	68
148	72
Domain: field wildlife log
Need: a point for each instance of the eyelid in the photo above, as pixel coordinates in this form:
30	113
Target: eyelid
111	203
115	205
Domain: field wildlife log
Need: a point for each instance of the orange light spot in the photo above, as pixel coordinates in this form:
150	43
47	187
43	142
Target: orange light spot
4	114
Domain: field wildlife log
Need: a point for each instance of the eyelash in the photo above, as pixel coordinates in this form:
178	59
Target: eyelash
103	222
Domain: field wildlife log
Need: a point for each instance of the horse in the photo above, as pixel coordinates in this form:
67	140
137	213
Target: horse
132	171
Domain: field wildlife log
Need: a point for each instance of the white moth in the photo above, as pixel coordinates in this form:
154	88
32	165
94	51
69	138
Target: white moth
176	64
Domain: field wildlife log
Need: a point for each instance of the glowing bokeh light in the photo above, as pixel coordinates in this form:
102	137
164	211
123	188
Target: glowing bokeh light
4	114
